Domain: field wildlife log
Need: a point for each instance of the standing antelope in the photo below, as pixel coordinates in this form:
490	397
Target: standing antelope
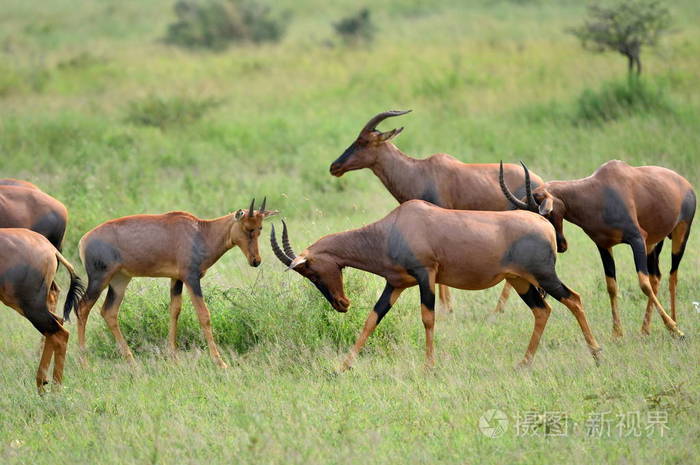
439	179
175	245
422	244
28	263
622	204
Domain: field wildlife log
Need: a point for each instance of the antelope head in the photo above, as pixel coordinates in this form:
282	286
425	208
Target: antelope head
246	229
318	267
368	146
540	201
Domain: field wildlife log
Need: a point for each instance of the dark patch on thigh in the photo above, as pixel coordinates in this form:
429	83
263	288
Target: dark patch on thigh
616	215
30	290
430	194
100	256
400	253
532	253
52	226
198	253
688	207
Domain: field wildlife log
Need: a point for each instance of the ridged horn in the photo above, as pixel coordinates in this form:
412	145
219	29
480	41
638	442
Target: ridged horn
276	249
262	207
509	195
531	203
372	123
251	209
285	242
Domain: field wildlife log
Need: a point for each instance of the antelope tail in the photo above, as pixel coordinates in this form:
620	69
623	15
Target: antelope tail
75	291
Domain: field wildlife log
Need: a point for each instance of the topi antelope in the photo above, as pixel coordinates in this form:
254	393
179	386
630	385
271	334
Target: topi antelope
175	245
422	244
622	204
28	263
439	179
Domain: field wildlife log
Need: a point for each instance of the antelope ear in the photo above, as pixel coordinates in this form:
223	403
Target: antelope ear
239	214
296	262
267	213
546	206
386	136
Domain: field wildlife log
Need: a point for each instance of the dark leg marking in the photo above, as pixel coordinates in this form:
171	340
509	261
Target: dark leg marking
608	262
176	289
533	298
32	292
52	226
383	305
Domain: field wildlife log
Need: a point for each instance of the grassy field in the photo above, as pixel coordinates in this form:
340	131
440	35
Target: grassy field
487	81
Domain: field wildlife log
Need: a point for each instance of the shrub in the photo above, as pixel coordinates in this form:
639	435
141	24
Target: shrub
356	28
215	24
166	112
621	98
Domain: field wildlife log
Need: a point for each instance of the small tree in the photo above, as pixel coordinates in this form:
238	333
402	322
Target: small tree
356	28
624	27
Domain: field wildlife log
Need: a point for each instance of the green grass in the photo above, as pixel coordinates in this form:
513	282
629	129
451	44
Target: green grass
487	81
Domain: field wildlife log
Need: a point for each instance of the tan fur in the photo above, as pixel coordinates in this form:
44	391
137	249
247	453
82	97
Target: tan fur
174	245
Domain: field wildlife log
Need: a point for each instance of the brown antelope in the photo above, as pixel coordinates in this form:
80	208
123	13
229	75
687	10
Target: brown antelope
623	204
175	245
28	263
439	179
24	205
421	244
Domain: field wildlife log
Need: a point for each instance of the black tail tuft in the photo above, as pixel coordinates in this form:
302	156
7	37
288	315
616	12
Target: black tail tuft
75	293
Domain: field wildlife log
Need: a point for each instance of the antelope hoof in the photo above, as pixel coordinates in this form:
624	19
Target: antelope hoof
645	331
678	334
617	333
524	364
221	364
596	356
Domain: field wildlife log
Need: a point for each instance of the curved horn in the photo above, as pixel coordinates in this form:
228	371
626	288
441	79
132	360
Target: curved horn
285	242
276	248
372	124
509	195
262	207
531	204
251	209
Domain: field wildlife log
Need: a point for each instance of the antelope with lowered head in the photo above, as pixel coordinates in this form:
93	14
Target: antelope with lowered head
421	244
623	204
175	245
28	263
439	179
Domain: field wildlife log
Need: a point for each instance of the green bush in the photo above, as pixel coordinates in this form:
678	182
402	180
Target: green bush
356	28
167	112
215	24
618	99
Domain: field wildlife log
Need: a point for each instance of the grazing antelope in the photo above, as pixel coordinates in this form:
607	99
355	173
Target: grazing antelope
421	244
175	245
28	263
623	204
439	179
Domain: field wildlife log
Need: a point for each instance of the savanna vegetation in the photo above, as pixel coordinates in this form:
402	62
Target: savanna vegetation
104	110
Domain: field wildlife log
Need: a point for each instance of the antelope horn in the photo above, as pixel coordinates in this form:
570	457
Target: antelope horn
285	242
276	249
532	205
509	195
251	209
372	124
262	207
